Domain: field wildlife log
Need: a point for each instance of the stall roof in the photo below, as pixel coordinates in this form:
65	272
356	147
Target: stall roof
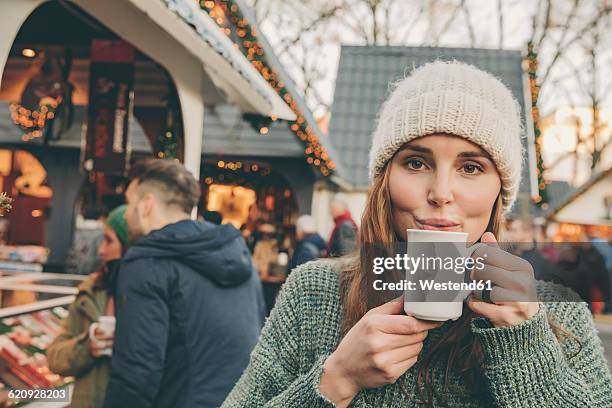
365	75
227	133
201	35
289	86
587	204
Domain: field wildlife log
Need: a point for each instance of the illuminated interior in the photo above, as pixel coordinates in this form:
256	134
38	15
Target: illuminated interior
232	202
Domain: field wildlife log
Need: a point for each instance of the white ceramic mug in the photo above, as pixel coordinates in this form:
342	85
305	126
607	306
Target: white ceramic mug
424	304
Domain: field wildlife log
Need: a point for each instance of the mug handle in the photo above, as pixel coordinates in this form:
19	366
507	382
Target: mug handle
463	294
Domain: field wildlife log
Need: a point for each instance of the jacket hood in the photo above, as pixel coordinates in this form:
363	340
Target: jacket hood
217	252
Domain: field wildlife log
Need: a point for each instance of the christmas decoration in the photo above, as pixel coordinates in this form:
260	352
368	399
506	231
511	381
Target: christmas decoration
167	143
5	203
532	68
231	21
258	122
33	122
47	95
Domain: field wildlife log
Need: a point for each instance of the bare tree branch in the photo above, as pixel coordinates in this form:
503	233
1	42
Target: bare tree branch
470	26
500	16
388	24
320	19
373	7
545	26
356	25
418	15
449	23
562	48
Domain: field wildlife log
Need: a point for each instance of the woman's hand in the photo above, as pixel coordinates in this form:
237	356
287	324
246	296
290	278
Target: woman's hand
381	347
514	295
100	344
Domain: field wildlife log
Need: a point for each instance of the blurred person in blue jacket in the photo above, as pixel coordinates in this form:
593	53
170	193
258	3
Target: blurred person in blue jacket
189	303
310	245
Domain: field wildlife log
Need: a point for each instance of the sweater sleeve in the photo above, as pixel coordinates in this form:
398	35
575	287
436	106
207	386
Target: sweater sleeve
69	353
273	377
526	366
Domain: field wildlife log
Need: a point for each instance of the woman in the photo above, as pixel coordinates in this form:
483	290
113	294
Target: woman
446	155
74	352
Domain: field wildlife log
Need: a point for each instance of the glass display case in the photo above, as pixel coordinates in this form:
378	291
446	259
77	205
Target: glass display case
32	308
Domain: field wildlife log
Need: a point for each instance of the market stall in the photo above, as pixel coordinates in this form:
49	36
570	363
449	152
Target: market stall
33	305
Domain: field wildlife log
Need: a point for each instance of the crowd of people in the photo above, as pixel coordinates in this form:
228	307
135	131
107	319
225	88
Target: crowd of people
190	302
583	266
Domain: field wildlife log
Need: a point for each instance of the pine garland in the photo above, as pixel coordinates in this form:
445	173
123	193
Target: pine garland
5	203
244	35
532	59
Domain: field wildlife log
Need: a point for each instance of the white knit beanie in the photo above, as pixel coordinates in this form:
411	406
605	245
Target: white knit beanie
458	99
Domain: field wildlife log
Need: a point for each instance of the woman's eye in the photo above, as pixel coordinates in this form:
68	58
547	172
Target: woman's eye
471	168
415	164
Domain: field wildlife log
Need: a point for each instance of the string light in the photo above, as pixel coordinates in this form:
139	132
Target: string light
28	53
532	67
33	122
225	12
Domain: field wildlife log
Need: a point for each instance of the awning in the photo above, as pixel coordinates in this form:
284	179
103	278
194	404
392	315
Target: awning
229	69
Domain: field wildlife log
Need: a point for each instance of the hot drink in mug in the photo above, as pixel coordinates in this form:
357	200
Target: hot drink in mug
440	271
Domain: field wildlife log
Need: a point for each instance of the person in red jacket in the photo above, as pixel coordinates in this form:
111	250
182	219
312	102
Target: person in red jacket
343	237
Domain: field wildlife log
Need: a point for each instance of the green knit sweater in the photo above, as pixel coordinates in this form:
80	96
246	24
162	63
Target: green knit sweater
525	365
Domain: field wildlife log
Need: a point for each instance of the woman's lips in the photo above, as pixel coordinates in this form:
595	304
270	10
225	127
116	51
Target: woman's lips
438	224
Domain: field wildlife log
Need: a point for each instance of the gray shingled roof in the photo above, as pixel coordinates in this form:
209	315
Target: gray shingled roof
226	132
362	84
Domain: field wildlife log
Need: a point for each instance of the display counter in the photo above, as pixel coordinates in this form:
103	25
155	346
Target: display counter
33	306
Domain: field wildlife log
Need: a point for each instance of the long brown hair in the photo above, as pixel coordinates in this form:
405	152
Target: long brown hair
465	355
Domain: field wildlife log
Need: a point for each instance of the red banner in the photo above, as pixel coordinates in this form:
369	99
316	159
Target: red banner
111	80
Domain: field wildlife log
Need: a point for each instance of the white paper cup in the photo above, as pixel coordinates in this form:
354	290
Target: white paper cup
106	324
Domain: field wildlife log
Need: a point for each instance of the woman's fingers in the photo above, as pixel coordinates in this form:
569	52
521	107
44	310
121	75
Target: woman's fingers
496	256
386	342
490	311
512	280
401	354
394	363
402	324
400	368
500	296
508	314
393	307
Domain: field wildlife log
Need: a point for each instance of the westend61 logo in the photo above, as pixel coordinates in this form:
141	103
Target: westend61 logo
427	263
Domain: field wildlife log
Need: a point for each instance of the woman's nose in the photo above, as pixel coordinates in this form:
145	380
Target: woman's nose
440	191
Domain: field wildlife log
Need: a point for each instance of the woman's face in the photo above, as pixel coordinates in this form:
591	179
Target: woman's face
110	247
442	182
